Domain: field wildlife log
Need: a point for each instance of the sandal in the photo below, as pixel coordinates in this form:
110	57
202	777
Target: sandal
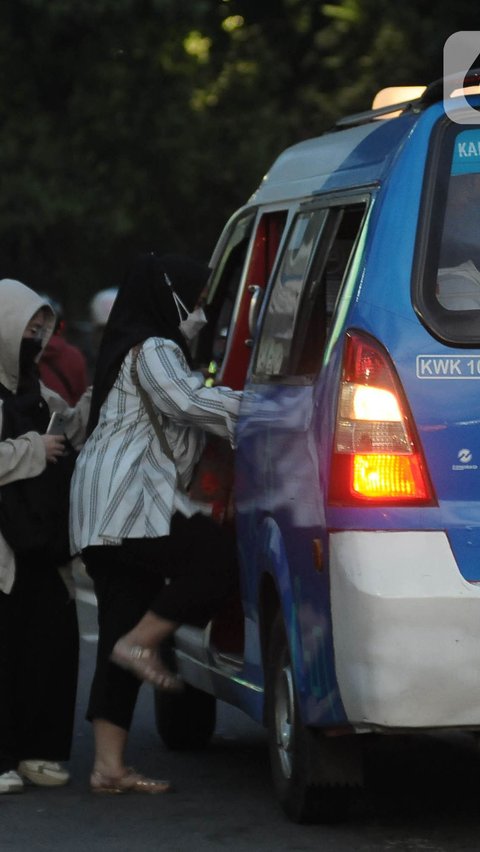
130	782
44	773
146	665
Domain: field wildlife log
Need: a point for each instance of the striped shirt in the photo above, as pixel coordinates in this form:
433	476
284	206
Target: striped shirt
124	485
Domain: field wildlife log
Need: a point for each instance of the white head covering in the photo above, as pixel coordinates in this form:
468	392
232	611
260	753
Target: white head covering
101	305
18	304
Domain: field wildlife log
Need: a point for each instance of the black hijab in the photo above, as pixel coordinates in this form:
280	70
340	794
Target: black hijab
144	307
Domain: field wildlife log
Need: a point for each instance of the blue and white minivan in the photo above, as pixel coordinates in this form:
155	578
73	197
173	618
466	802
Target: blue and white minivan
345	298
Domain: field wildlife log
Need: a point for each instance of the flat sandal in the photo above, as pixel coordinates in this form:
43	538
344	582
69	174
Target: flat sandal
129	782
145	664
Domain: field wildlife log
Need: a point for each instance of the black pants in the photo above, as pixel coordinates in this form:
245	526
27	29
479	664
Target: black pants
38	666
198	558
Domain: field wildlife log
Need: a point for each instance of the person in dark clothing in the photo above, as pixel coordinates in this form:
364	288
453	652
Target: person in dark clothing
38	620
131	517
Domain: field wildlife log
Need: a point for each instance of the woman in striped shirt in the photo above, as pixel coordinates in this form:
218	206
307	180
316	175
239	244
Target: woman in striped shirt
131	517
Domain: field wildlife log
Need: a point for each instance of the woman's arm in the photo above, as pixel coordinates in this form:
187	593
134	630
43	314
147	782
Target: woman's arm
77	416
28	454
181	395
22	457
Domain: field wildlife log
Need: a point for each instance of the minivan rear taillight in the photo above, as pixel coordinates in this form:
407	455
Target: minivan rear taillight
376	455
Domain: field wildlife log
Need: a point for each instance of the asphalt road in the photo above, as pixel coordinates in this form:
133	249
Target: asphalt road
421	795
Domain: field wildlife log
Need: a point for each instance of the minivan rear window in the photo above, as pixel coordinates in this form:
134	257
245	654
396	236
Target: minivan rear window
447	293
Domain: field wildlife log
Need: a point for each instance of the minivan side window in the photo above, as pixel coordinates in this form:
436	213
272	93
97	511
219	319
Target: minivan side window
306	289
277	333
326	280
446	280
222	291
235	293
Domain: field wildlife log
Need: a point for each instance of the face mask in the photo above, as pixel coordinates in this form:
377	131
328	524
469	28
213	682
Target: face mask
30	348
194	320
193	323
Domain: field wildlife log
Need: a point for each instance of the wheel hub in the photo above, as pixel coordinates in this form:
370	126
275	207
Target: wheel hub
285	719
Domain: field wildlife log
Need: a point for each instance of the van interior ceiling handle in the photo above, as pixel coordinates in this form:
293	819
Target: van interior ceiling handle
255	302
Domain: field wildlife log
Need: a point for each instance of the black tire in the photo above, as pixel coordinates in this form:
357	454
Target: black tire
295	749
185	720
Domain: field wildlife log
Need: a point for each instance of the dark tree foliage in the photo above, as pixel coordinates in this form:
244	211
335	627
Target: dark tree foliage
143	124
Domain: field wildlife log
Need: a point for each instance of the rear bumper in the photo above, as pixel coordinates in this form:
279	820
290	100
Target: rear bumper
406	629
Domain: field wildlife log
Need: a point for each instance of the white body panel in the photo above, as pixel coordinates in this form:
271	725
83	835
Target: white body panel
406	629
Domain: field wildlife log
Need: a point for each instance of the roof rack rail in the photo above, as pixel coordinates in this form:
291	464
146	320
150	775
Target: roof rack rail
432	94
371	114
436	90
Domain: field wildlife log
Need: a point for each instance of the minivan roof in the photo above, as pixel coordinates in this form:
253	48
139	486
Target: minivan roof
359	155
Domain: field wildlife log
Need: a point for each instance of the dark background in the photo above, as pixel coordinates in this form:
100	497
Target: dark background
143	124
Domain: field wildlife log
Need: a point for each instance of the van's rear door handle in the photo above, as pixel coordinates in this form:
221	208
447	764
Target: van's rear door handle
256	300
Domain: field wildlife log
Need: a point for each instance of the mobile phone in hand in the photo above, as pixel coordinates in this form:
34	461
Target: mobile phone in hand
57	424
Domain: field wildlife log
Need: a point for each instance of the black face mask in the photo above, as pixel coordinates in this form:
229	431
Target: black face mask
30	348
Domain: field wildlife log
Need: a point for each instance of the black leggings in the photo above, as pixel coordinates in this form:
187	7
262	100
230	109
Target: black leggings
38	666
198	558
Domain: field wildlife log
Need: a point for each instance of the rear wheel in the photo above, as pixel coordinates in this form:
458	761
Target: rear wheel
302	761
185	720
